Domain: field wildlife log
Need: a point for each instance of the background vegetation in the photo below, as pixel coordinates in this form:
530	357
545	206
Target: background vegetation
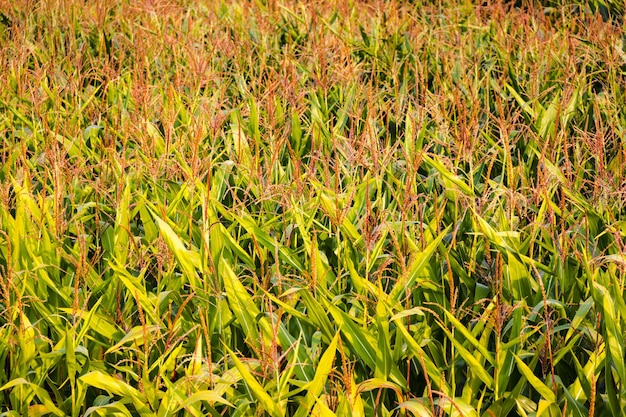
284	208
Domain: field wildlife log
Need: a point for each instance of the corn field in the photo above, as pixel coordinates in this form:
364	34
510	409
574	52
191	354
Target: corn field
282	208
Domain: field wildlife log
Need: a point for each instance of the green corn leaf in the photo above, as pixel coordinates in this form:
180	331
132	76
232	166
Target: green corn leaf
317	316
241	304
548	409
121	232
114	409
188	260
324	368
434	374
70	354
580	315
360	339
115	386
207	396
95	321
321	409
43	396
545	124
456	407
417	408
535	382
613	336
383	359
523	103
256	388
316	387
415	311
377	384
285	254
137	336
195	362
241	144
418	263
446	174
577	408
458	326
474	365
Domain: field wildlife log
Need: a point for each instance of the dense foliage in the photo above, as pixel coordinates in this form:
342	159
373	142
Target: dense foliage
280	208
